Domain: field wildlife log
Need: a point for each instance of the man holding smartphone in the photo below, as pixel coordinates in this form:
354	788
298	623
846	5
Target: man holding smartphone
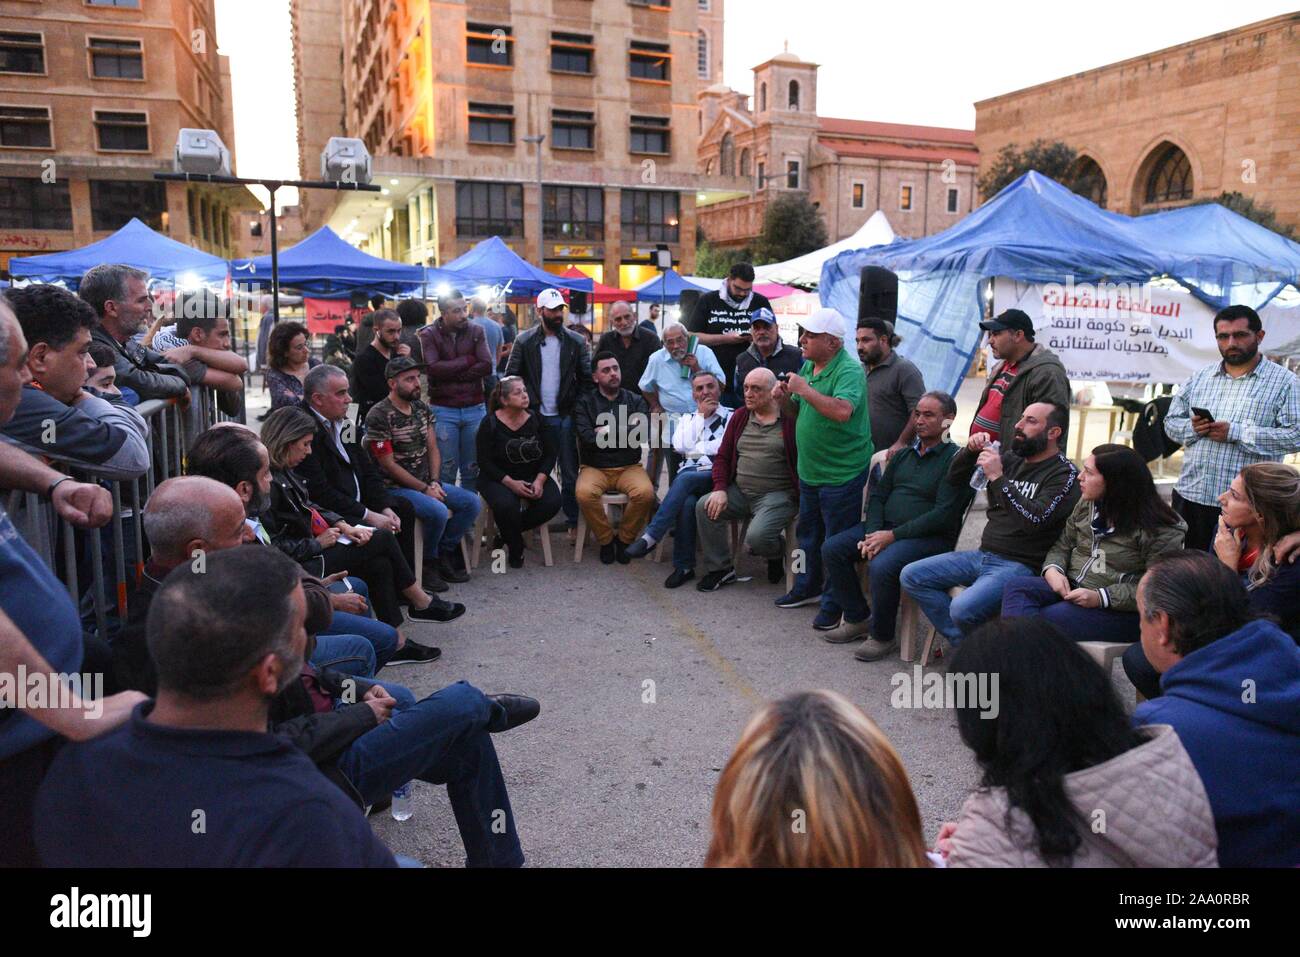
721	319
1232	413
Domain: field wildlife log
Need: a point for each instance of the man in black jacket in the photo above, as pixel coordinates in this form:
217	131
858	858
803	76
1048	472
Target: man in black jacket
722	320
611	424
370	739
555	365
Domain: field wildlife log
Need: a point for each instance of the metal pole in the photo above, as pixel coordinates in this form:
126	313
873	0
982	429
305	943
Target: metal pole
541	209
275	256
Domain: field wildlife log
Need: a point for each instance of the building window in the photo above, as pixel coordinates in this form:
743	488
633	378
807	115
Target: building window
954	197
573	130
1088	180
649	61
127	4
708	167
573	212
794	94
114	201
905	198
704	6
492	124
762	98
650	134
25	126
702	55
572	53
650	216
859	200
489	209
116	59
791	174
744	162
662	4
22	53
762	174
27	203
122	131
728	159
489	44
1171	177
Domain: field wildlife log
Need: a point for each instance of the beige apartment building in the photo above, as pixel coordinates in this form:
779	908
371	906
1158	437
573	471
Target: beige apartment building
922	177
92	95
450	96
1218	114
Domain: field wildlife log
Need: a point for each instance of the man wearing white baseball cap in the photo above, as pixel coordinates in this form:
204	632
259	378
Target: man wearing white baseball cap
833	436
555	365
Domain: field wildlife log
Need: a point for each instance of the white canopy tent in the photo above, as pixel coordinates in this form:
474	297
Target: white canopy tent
806	270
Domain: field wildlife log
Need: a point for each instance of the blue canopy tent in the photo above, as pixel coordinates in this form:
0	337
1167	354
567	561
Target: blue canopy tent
135	244
668	285
323	264
1036	230
493	263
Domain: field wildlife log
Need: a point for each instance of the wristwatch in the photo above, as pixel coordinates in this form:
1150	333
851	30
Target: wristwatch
49	492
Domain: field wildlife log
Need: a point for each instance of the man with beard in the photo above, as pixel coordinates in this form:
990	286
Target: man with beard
1254	407
1027	372
1032	490
894	386
555	365
722	321
457	362
369	384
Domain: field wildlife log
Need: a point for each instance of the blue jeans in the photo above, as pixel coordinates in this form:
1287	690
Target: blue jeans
678	510
566	442
444	739
382	636
457	432
1032	596
984	574
825	510
445	523
840	556
344	653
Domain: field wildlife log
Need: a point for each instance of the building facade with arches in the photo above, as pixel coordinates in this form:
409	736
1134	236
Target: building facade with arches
1219	114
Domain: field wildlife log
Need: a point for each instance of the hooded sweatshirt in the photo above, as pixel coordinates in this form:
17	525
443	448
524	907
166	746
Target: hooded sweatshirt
1235	704
1040	377
1156	815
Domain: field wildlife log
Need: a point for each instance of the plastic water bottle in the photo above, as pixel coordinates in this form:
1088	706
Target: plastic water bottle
979	481
402	807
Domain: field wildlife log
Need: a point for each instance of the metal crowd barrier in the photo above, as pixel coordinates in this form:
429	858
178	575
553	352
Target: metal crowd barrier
172	429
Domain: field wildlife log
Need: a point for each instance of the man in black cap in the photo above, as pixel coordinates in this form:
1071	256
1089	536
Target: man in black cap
1026	373
766	348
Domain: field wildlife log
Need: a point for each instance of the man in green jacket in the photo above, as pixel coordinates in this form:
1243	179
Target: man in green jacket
914	512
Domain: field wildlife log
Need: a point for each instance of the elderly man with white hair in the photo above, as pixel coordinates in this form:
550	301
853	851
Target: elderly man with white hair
666	382
833	431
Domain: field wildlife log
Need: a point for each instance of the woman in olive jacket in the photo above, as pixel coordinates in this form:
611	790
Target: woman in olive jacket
1120	527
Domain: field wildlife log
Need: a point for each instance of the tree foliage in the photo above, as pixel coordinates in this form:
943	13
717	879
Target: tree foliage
1053	159
1256	212
792	226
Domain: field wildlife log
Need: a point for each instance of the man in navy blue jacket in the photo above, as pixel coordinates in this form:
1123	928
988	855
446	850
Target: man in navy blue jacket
195	779
1231	689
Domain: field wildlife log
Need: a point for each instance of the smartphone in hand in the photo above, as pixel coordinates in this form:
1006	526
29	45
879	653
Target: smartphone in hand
1202	413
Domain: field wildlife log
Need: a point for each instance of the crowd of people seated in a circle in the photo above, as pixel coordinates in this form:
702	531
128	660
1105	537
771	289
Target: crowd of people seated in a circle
283	574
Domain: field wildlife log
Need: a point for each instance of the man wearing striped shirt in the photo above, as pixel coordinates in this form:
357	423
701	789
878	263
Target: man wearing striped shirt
1254	416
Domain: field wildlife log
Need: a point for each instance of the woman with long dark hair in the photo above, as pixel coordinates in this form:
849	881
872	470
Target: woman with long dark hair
313	536
1067	781
515	458
1120	527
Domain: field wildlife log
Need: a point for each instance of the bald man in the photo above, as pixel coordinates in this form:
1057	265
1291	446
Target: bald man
755	477
631	344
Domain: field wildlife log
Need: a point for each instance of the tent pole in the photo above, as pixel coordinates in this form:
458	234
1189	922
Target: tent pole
275	256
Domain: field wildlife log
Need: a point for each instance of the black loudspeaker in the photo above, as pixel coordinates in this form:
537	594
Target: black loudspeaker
878	294
577	302
688	301
358	299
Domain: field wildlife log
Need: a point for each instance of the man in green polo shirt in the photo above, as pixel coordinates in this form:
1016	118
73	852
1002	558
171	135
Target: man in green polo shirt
833	436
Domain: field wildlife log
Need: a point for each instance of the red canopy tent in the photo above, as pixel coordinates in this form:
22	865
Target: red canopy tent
599	293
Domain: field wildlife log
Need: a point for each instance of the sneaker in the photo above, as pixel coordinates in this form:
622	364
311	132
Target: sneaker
608	553
715	580
449	572
826	621
679	578
412	653
794	599
873	650
639	549
848	631
438	610
432	581
775	571
620	552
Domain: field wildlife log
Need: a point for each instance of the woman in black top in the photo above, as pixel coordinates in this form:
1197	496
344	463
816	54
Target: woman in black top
310	534
515	459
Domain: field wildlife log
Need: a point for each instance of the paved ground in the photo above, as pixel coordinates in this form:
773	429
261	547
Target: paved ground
606	778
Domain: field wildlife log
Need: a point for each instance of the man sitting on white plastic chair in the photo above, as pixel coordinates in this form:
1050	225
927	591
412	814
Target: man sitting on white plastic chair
696	439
